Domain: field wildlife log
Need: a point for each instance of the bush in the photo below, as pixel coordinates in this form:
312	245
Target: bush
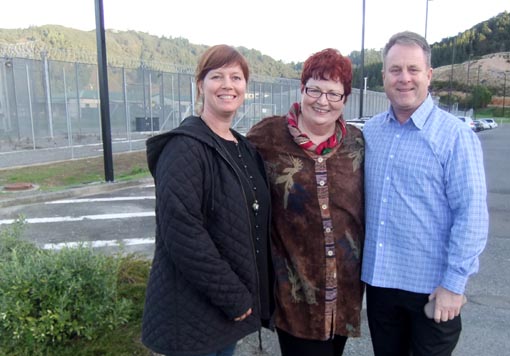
10	242
50	298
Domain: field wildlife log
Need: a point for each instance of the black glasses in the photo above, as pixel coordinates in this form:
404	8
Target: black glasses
317	93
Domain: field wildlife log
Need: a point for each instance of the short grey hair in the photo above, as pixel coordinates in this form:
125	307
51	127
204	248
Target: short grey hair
408	38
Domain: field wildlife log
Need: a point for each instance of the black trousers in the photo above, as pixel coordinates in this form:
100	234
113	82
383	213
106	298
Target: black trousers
399	327
295	346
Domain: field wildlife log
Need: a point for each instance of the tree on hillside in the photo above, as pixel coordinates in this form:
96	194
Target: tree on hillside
480	97
487	37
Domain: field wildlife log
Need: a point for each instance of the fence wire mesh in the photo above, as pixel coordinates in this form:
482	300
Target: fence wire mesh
50	110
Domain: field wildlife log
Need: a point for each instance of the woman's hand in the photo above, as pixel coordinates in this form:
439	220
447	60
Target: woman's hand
244	316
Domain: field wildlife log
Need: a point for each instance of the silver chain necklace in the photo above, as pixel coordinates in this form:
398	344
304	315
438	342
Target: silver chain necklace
249	178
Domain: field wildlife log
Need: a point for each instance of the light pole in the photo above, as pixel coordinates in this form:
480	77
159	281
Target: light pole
362	74
103	92
451	76
467	85
504	93
476	100
426	16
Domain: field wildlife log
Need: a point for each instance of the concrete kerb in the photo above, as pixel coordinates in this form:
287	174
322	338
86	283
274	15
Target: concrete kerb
35	196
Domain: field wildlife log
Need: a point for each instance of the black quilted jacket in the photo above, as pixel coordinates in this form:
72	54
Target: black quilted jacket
204	272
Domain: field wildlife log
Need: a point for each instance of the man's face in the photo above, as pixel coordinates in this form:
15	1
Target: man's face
406	78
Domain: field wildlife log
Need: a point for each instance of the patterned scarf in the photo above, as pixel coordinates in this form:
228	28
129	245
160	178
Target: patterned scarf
304	141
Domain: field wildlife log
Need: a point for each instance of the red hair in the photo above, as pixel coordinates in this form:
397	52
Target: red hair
328	64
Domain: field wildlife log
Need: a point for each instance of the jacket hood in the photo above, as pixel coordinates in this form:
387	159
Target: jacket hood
192	126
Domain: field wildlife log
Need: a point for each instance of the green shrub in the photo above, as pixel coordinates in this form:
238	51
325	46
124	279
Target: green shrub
132	282
10	241
51	298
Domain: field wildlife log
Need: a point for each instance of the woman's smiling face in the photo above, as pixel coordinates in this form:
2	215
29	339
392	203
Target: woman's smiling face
321	111
223	90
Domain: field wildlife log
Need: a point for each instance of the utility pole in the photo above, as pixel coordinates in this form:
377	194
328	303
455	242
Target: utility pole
451	77
362	74
467	85
504	93
426	17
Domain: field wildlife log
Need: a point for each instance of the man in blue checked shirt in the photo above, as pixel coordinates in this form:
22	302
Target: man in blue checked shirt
426	211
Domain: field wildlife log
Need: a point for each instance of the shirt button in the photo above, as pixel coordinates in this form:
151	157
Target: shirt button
330	253
321	183
320	159
391	156
387	178
334	274
324	206
397	136
380	245
328	229
385	200
382	222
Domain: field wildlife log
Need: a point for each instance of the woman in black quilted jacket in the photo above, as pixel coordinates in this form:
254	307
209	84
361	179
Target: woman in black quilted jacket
211	277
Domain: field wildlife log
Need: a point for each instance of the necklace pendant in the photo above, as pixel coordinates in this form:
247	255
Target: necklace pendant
255	206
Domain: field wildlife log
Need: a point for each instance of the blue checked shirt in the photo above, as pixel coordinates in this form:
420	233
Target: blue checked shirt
425	197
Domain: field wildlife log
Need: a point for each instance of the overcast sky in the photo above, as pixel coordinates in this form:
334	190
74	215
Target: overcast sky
283	29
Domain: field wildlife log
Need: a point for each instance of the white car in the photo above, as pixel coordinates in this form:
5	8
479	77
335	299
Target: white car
491	123
468	121
483	125
358	122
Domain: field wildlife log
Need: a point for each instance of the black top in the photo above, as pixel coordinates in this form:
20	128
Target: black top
254	187
205	270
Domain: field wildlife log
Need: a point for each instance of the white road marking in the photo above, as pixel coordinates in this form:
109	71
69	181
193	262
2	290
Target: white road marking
99	243
95	200
81	218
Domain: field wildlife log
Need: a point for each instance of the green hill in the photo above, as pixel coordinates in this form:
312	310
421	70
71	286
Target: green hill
133	49
125	48
479	42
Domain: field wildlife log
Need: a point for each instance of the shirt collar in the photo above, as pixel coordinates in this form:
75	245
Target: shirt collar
420	116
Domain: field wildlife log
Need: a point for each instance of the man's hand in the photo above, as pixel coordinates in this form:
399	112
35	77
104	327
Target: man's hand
448	304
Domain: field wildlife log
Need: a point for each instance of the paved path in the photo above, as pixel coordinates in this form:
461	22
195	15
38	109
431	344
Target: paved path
486	318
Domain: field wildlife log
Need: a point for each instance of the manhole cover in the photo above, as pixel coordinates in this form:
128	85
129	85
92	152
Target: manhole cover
18	186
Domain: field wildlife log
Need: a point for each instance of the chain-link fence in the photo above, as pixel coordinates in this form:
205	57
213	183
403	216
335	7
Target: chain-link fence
49	110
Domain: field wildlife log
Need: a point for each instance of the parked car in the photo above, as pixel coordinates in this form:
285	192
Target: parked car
358	122
490	122
481	125
468	121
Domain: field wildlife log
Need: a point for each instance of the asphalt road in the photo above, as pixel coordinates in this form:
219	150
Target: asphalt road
119	218
113	216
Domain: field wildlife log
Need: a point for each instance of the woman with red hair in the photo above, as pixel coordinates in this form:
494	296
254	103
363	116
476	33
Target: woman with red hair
315	165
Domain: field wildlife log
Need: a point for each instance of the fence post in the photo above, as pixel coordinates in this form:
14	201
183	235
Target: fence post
30	106
126	107
78	99
68	119
48	92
